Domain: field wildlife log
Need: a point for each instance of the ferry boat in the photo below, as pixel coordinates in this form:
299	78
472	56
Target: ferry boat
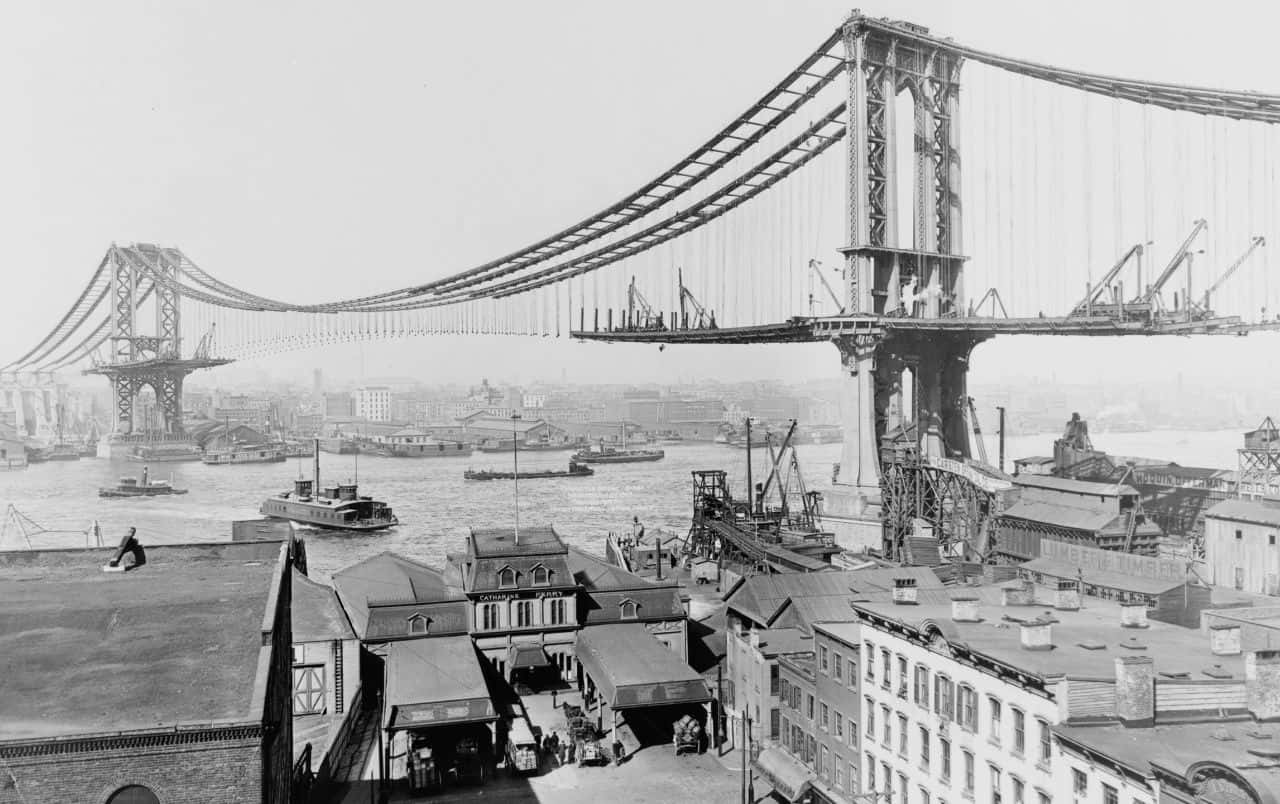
130	487
337	507
426	449
615	455
575	470
245	453
170	452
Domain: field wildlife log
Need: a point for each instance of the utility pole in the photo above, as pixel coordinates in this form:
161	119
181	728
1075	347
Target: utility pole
751	490
515	476
1001	409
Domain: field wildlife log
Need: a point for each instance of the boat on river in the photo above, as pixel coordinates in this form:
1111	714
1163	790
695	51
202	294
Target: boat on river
339	507
245	453
576	469
618	454
130	487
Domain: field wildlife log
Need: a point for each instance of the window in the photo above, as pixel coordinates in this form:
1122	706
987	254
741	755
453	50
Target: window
902	677
822	658
1271	537
853	674
967	715
993	704
886	662
784	728
418	624
773	679
922	686
559	609
774	724
995	784
888	782
1079	783
524	613
871	772
924	796
1019	790
924	749
1043	797
869	652
837	666
1239	534
489	617
944	753
133	794
1046	742
887	736
826	718
902	789
839	771
902	735
943	697
809	706
784	691
628	608
839	724
810	748
968	772
853	732
541	576
308	689
853	778
824	765
871	717
1019	732
1109	794
506	578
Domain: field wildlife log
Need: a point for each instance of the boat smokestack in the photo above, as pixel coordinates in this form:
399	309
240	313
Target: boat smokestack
315	466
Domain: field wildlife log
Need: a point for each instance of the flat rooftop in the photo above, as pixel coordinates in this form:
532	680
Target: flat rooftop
1096	624
176	641
493	542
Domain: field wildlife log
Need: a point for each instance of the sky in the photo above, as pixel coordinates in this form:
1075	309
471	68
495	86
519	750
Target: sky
324	150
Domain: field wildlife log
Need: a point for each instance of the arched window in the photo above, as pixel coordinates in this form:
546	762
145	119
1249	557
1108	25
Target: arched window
506	578
541	576
133	794
628	609
419	624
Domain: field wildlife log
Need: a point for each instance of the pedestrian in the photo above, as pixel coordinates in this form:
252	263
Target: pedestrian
637	529
573	750
617	751
553	698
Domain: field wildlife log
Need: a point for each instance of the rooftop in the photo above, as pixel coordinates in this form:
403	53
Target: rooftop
423	674
762	597
632	668
390	579
1259	512
175	641
493	542
1093	576
777	641
1073	486
1096	624
315	612
1076	517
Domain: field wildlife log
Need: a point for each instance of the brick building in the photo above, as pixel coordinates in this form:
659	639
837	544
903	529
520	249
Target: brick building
169	682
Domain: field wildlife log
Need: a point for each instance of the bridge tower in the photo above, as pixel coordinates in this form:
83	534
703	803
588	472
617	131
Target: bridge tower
887	274
138	361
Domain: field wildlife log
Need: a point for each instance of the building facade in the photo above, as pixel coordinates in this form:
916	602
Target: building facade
372	403
1240	545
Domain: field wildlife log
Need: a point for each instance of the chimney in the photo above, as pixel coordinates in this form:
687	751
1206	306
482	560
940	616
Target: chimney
964	608
1262	684
1018	593
1036	634
1136	691
904	591
1133	615
1068	598
1224	640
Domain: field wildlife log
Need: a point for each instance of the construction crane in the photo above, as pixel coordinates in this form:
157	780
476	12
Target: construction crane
977	431
1152	294
815	269
1092	297
704	320
205	346
640	313
1254	245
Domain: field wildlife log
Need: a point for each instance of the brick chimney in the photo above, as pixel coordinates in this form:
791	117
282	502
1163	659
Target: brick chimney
1018	593
1068	598
1133	615
964	608
904	591
1136	691
1262	684
1224	639
1036	634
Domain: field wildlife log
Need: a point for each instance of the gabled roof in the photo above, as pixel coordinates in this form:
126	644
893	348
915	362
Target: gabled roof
1064	516
389	579
316	614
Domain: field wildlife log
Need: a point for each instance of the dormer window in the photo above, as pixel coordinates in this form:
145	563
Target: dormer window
628	609
419	624
541	576
506	578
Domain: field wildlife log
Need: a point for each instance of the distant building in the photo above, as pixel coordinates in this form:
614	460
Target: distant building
170	681
1104	515
338	405
1240	545
373	403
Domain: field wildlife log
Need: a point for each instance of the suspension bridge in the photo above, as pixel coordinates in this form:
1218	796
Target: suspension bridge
863	200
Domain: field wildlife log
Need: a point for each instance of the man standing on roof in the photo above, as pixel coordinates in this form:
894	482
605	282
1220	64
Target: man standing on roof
637	530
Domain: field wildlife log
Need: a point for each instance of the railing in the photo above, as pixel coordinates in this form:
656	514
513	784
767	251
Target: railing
303	778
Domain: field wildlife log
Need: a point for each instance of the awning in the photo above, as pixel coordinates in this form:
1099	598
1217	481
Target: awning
631	668
790	778
435	682
522	657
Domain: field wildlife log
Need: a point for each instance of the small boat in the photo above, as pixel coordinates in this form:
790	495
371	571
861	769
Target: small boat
618	455
575	470
337	507
245	453
130	487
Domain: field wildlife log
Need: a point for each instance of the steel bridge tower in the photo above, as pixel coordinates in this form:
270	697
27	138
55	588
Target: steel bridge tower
885	276
138	361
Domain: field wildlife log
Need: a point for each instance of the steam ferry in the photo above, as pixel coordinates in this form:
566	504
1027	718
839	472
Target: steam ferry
339	507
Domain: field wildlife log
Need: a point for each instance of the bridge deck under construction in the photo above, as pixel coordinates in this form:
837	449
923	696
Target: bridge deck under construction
761	553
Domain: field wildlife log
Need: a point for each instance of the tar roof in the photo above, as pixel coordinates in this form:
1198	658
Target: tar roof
1073	486
1174	649
777	641
761	597
315	612
175	641
492	542
1261	512
1126	581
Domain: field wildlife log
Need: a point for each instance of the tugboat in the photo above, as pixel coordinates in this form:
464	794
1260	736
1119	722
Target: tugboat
575	470
619	455
337	507
130	487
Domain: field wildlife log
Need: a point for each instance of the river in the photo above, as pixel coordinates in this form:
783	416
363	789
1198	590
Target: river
436	506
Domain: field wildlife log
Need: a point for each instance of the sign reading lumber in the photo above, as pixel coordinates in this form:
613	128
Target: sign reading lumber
1091	559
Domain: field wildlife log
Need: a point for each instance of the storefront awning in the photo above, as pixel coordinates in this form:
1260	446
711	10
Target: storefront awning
789	777
523	657
436	682
631	668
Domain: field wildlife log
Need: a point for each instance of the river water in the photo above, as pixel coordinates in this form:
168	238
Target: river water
436	506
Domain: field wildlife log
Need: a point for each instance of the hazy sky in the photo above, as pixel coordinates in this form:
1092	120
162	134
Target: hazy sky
320	150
